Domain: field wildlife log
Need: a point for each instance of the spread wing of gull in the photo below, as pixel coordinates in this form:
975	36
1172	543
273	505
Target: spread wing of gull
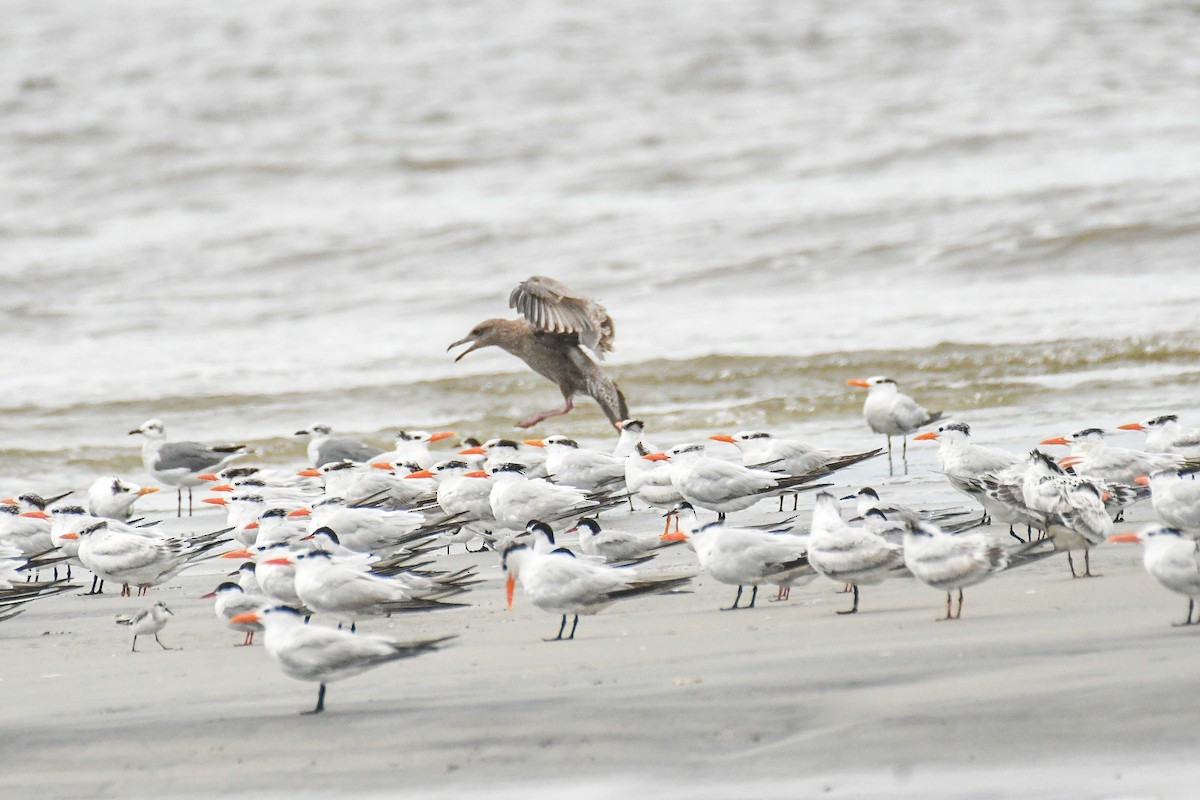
555	308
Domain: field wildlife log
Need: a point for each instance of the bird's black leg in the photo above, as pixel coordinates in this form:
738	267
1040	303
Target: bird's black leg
781	504
795	501
1013	534
942	619
354	627
561	628
736	600
160	644
1071	564
68	572
854	608
320	702
574	625
189	501
720	516
959	614
179	507
753	596
134	648
1188	620
1087	565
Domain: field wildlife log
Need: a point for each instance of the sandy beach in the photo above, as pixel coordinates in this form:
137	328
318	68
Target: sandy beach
1048	687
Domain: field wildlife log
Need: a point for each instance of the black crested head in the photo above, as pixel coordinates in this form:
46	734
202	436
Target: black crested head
511	547
695	447
471	441
452	465
868	492
118	487
274	513
567	443
510	466
318	553
961	427
635	425
249	498
239	472
228	586
338	466
9	509
1038	457
1163	420
562	551
537	526
34	500
748	435
876	514
506	443
642	450
246	565
587	522
90	529
76	510
254	483
1087	432
327	531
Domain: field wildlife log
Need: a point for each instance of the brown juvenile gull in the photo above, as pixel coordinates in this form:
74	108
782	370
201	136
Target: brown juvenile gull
557	321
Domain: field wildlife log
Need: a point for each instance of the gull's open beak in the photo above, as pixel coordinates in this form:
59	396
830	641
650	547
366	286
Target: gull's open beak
474	346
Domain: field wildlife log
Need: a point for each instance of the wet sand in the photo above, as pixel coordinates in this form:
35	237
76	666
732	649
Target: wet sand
1048	687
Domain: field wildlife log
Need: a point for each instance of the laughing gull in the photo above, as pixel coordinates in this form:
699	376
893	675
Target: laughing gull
324	447
180	464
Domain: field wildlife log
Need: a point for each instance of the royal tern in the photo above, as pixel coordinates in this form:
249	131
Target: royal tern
148	621
1092	457
1176	501
180	464
1071	509
571	465
633	433
412	447
743	556
892	413
348	591
848	554
324	655
963	463
273	570
113	498
1165	434
505	451
557	321
231	600
324	447
1172	558
559	583
516	499
136	558
25	524
722	486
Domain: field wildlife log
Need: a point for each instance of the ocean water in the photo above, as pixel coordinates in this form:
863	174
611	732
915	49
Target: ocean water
246	218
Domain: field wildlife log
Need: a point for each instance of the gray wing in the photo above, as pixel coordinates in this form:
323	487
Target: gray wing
555	308
346	450
192	456
601	388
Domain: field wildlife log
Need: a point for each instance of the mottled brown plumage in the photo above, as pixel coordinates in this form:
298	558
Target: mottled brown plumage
557	322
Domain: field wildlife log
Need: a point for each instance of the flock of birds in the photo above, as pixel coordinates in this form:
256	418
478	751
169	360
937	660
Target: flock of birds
356	534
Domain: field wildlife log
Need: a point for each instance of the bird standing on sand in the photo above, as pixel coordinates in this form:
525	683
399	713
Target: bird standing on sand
891	413
180	464
323	655
1172	558
148	621
557	324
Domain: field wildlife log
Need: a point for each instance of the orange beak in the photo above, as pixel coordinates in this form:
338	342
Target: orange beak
240	553
421	473
1055	440
656	457
674	536
36	514
149	489
1132	426
1069	461
69	536
281	561
533	442
925	437
472	451
221	487
309	473
249	616
252	525
722	437
476	474
437	437
207	476
858	382
216	501
300	512
207	596
509	584
1142	480
1125	537
382	465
